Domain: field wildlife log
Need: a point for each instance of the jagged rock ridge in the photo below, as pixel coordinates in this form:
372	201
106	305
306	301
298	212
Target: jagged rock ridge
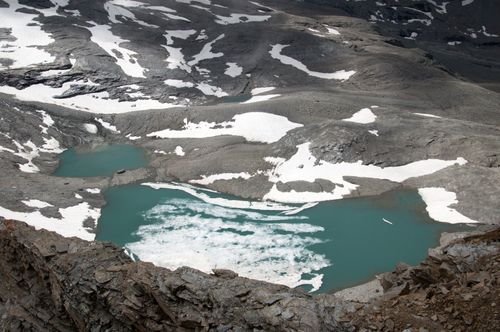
51	283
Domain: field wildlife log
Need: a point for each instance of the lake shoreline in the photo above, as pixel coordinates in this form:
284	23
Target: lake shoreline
137	176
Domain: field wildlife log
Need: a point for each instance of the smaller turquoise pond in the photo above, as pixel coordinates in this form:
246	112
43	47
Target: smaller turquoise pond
103	160
330	246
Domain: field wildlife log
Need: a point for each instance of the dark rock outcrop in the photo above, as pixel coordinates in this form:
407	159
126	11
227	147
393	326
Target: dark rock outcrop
52	283
462	36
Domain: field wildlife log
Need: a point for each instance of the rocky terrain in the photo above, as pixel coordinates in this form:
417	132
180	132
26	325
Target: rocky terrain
454	33
345	90
353	98
52	283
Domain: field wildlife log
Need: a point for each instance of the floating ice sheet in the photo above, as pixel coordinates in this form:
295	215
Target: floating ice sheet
255	245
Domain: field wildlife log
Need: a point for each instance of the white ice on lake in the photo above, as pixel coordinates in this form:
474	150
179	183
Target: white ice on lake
265	247
219	201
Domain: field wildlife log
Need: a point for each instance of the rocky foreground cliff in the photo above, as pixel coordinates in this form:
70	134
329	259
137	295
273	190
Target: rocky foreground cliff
52	283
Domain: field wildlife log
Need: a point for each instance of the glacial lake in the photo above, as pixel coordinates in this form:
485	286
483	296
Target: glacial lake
102	160
330	246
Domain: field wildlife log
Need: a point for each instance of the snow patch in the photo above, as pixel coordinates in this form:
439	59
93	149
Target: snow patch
71	223
209	179
206	52
258	91
240	18
286	60
35	203
90	128
24	44
29	151
363	116
93	102
118	8
179	151
253	126
428	115
233	70
107	125
47	121
332	31
438	201
256	99
132	138
303	166
204	87
109	42
181	34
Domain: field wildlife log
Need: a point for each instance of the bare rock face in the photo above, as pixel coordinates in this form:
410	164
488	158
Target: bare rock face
455	34
51	283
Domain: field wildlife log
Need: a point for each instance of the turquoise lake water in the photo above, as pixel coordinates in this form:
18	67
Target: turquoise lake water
330	246
100	161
